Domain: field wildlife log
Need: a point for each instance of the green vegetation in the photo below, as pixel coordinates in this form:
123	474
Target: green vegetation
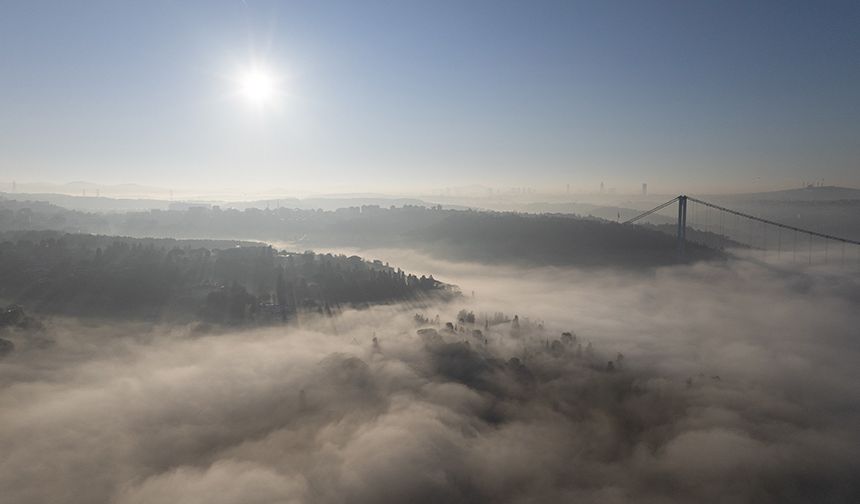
224	282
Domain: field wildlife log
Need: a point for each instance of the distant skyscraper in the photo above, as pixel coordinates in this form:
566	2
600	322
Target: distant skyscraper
644	189
601	188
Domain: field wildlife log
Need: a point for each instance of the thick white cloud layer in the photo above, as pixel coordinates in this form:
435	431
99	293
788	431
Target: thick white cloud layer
738	384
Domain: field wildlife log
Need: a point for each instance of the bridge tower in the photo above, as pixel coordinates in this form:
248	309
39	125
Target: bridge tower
682	226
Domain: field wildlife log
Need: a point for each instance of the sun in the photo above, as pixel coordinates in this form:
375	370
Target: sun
258	86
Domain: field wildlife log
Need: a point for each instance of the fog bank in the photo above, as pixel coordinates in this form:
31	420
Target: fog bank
737	384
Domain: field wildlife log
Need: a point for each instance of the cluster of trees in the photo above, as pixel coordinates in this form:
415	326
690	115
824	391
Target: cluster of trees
462	338
552	239
14	318
228	282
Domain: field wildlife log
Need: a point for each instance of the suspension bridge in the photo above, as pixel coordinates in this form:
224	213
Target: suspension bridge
721	227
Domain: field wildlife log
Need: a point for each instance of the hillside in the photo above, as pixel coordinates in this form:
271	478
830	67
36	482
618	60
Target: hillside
182	280
815	193
495	237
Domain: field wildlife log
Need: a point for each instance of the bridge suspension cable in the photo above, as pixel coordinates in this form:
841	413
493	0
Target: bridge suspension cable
649	212
708	226
770	222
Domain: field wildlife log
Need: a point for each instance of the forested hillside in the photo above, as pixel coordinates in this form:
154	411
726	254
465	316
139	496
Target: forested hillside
218	281
496	237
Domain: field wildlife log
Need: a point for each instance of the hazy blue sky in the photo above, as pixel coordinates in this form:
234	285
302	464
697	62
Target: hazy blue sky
379	95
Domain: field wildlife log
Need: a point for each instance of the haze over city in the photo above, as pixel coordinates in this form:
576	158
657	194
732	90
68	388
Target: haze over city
259	252
408	97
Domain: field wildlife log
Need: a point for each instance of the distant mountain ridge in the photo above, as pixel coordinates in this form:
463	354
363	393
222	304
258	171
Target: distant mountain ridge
815	193
106	204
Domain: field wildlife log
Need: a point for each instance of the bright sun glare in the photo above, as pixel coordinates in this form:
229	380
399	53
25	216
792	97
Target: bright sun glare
257	86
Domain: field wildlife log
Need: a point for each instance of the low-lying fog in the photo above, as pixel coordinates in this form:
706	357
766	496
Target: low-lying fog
738	383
